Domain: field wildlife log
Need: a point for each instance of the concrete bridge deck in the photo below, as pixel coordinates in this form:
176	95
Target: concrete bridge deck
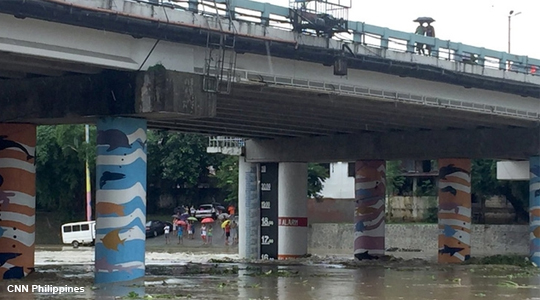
70	61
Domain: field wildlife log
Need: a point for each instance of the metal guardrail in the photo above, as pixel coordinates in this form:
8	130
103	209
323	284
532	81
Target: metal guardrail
278	16
354	90
389	95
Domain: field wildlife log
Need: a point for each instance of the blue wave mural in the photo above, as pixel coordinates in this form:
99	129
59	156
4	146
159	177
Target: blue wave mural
120	200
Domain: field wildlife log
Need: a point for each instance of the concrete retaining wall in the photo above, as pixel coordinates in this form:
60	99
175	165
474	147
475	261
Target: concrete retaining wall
485	239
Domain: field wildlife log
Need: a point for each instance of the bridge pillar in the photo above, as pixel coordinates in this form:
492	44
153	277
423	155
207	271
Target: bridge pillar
370	191
248	209
454	210
534	209
17	200
292	210
120	199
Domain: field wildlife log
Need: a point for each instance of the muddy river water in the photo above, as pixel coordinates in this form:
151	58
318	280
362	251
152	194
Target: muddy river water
211	275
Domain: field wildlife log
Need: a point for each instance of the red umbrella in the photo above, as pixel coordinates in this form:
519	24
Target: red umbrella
181	223
207	220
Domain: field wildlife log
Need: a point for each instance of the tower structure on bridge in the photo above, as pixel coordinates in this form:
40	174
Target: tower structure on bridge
322	17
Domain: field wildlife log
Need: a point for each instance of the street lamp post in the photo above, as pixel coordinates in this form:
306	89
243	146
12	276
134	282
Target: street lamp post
509	25
510	14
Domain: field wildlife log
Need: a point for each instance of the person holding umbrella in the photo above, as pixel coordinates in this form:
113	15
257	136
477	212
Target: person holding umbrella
191	224
420	30
425	31
204	229
180	233
430	31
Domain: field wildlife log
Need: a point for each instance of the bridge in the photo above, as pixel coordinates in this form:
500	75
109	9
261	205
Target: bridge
236	68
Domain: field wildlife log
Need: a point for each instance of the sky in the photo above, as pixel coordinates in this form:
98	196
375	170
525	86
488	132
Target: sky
480	23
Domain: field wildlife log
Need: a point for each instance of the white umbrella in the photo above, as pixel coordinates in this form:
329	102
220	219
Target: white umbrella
223	216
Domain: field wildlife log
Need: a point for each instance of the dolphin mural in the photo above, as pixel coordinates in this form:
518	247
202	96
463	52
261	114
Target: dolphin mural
449	189
450	169
365	255
108	176
5	144
450	250
4	257
114	138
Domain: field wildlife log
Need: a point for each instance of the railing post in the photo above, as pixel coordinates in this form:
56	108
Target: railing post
359	34
411	43
231	7
435	48
384	39
265	16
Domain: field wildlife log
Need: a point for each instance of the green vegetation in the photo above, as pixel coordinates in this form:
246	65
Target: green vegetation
317	174
179	170
485	184
60	169
514	260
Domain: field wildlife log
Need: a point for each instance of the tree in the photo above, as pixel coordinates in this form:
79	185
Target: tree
485	184
395	182
227	178
177	164
317	174
60	169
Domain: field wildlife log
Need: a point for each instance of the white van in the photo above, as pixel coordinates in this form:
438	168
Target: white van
79	233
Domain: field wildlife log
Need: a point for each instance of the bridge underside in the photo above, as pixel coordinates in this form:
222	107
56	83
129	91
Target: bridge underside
280	119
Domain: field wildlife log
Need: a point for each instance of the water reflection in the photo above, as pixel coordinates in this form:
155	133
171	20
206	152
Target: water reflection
131	289
409	281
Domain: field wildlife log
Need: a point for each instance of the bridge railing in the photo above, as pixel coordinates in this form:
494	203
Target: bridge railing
278	16
225	145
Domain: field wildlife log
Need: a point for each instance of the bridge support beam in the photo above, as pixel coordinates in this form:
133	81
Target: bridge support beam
534	209
370	191
249	204
454	210
17	200
120	200
292	210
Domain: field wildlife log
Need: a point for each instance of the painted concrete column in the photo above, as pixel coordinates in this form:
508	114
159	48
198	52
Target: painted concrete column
248	209
120	199
534	209
454	210
17	200
370	191
292	210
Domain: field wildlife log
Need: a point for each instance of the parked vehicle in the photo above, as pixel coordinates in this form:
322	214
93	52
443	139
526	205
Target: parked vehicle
155	228
79	233
207	211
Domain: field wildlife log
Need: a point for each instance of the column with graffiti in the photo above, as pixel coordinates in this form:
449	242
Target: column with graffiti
17	200
454	210
120	199
534	209
370	190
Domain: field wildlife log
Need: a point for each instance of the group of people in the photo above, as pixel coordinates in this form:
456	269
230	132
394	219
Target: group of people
425	29
230	228
179	231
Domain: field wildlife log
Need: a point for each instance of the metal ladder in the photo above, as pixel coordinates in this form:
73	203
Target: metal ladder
220	59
